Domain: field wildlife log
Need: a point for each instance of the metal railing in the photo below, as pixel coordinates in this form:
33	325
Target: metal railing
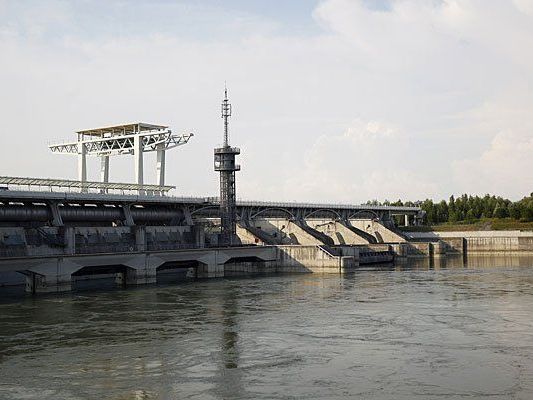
43	184
281	204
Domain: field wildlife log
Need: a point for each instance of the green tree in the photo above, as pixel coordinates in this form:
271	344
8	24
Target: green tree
443	211
453	216
469	208
451	204
526	212
429	208
470	216
514	211
500	211
488	206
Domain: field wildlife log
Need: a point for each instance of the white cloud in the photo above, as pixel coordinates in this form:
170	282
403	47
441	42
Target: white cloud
505	167
443	78
525	6
368	160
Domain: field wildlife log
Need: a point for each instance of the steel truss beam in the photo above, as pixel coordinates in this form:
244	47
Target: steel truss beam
124	144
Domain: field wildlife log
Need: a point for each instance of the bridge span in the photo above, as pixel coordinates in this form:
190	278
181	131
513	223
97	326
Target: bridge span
58	208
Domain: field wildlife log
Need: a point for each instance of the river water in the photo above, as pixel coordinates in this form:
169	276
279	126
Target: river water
449	330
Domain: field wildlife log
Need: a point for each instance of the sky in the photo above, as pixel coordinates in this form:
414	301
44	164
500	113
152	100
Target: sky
338	101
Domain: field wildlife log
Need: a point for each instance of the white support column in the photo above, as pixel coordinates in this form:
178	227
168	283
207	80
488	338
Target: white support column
406	220
161	153
82	165
104	171
138	154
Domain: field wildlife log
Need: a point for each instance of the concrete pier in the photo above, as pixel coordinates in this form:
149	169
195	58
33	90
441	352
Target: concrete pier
52	276
48	274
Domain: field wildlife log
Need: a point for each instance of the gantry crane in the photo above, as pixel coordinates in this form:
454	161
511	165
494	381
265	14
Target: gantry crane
136	138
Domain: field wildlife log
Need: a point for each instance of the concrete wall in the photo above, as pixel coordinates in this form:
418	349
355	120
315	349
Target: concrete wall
421	249
59	273
375	228
418	249
480	241
247	237
285	230
250	267
458	234
54	273
290	233
19	242
453	245
375	247
12	242
337	231
314	259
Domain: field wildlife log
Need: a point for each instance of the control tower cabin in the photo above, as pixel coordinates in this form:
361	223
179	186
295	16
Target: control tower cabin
225	164
136	139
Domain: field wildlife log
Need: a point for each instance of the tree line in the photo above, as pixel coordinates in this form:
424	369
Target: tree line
466	208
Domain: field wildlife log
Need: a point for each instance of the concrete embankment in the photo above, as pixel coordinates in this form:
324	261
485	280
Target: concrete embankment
475	242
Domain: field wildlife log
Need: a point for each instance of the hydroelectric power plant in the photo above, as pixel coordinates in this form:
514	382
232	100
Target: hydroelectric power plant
275	299
57	235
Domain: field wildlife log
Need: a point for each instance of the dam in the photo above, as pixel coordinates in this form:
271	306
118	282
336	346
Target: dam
54	237
56	234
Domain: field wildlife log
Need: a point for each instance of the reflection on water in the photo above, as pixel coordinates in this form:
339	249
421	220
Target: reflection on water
472	262
450	328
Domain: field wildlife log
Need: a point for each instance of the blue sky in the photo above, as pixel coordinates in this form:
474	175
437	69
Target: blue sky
203	20
335	100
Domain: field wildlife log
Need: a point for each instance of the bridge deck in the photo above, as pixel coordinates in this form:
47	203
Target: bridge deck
103	198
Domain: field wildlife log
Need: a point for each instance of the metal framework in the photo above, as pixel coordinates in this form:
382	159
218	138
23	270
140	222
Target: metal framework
136	139
105	187
225	164
20	205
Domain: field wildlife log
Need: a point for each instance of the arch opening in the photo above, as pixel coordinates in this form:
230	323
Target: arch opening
282	212
101	277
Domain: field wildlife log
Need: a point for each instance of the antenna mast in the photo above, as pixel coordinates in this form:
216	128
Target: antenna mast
226	113
225	164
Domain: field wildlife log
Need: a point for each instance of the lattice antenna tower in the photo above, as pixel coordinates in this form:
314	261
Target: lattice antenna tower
225	164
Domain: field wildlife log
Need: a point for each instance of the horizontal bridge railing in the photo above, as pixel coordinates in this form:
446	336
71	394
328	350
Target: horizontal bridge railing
155	193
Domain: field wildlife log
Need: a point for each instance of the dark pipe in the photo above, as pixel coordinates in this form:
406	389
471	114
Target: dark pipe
89	214
25	213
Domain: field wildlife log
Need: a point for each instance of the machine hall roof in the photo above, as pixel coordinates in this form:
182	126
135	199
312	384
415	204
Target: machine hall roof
71	184
125	129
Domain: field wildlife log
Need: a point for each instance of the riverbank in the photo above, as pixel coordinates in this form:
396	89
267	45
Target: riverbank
485	224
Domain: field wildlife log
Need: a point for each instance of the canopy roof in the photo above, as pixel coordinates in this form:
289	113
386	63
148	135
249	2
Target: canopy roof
65	183
126	129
